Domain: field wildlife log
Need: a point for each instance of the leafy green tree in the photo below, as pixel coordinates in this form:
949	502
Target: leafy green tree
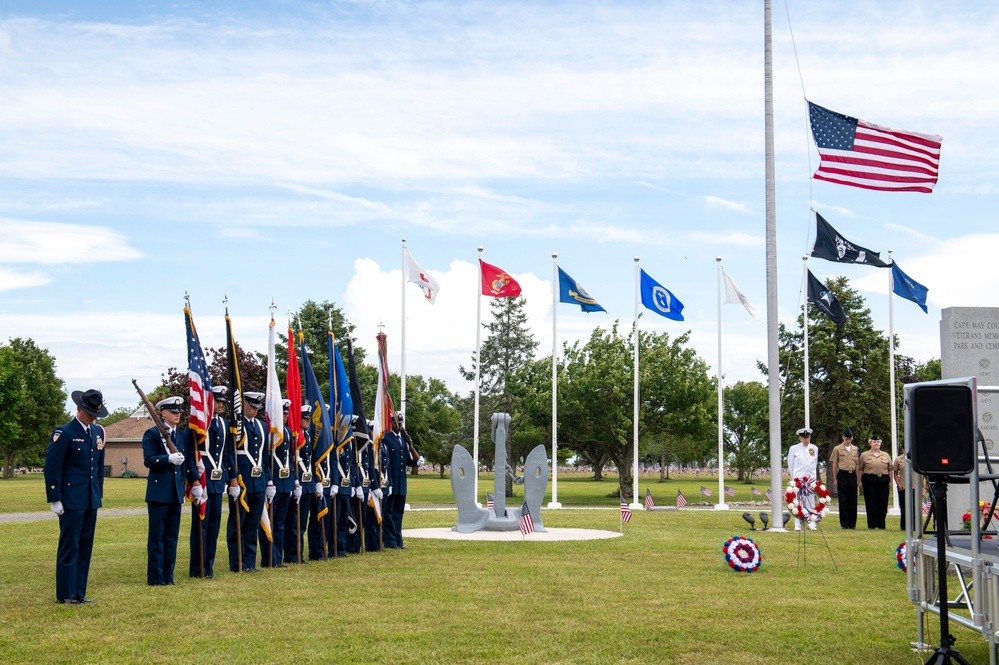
33	407
432	417
747	426
313	321
119	414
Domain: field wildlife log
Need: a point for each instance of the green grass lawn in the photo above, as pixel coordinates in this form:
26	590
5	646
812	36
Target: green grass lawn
659	594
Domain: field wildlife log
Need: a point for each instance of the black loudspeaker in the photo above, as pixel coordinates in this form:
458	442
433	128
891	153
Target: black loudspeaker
943	434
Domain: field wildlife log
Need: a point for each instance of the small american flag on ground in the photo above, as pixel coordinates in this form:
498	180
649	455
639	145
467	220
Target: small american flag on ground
755	492
526	523
730	491
680	500
705	491
927	505
648	499
770	495
490	501
625	510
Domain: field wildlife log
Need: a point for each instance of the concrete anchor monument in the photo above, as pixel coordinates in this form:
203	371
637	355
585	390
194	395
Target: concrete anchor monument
471	517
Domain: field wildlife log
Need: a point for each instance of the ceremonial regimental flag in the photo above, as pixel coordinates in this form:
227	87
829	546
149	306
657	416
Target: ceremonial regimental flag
625	510
383	401
341	401
908	288
272	393
755	492
202	402
355	388
648	499
705	491
680	500
375	505
236	428
526	522
831	246
733	296
730	491
497	283
573	293
490	501
824	299
659	299
858	153
415	274
322	437
293	386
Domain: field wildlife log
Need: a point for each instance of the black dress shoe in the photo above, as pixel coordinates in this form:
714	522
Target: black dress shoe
250	569
68	601
209	576
280	565
84	601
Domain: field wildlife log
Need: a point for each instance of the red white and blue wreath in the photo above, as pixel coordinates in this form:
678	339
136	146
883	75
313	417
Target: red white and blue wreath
742	555
794	497
900	556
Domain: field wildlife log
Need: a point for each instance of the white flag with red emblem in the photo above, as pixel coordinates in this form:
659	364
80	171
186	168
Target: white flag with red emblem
427	284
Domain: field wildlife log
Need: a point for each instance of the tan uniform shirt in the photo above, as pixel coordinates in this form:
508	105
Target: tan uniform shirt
898	468
877	463
843	458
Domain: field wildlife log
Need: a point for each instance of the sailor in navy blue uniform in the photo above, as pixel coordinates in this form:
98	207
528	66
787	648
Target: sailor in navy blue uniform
283	482
371	483
251	466
294	535
326	490
351	495
213	452
165	491
400	454
74	486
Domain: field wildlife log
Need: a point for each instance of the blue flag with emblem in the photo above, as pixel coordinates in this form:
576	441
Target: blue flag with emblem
659	299
322	437
907	287
571	292
342	406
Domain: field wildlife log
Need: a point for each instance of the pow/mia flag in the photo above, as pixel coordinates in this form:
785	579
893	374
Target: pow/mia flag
824	299
831	246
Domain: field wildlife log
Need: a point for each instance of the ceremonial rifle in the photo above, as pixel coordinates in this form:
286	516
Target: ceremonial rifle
164	432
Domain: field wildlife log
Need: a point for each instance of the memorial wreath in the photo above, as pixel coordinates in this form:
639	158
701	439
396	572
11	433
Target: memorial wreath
742	555
794	496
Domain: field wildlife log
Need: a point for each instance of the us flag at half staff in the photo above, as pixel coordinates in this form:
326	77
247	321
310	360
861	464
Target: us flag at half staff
526	522
648	499
705	491
625	510
861	154
681	501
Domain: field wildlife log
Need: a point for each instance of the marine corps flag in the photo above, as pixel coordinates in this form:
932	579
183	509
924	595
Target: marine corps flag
831	246
824	299
571	292
497	283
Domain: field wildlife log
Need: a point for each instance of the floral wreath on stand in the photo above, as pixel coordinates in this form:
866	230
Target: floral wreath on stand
794	496
900	556
742	555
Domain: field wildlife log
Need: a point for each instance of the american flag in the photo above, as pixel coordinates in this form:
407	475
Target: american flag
648	499
755	492
526	523
705	491
202	402
770	495
625	510
927	505
858	153
730	491
680	500
490	501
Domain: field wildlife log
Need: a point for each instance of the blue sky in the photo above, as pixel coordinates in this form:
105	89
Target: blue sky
283	149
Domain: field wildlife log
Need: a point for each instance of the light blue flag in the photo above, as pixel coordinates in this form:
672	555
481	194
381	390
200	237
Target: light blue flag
571	292
908	288
659	299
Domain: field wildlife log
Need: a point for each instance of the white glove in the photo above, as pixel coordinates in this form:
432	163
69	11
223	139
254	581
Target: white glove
334	490
319	489
297	493
270	492
234	491
378	494
388	491
196	493
176	458
359	493
57	508
201	467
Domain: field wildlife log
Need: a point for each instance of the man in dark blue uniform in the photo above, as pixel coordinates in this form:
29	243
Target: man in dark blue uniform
321	538
351	497
371	483
74	486
400	456
251	467
165	491
305	485
213	452
283	482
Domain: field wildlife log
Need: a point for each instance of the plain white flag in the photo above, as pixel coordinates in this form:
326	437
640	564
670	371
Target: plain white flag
733	296
416	275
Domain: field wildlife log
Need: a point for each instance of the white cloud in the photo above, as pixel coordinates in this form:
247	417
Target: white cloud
716	202
50	243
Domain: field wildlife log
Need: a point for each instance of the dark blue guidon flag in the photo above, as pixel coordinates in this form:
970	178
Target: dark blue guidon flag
571	292
907	287
659	299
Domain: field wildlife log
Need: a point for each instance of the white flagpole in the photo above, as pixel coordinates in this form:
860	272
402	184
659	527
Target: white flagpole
402	390
555	289
894	510
638	298
478	352
806	374
721	505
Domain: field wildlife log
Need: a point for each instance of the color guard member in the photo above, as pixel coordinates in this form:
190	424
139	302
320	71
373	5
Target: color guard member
213	453
250	466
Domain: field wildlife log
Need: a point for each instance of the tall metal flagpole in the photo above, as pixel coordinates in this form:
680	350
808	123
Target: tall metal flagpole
806	374
402	368
554	502
478	351
894	510
638	297
721	505
773	360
